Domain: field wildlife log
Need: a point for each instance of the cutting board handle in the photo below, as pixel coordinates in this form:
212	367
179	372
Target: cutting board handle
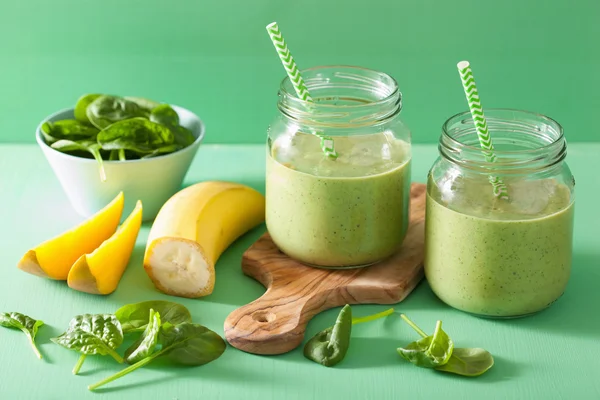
275	323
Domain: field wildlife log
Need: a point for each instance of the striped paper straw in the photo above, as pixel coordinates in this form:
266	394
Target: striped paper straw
485	140
291	68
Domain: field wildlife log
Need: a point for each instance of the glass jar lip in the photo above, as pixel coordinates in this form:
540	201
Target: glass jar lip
295	99
446	135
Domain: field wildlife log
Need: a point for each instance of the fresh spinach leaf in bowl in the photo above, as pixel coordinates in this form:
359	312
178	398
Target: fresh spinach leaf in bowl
106	110
68	129
115	128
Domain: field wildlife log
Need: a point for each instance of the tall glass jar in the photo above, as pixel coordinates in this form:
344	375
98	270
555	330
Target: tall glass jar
343	212
486	255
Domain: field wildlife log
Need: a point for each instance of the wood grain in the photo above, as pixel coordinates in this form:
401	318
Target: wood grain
276	322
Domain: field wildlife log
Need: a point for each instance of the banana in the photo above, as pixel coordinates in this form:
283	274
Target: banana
191	231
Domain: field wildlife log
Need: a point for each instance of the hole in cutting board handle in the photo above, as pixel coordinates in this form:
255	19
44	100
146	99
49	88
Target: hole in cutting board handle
263	316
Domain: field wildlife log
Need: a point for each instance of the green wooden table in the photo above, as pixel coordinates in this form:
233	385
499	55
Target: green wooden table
552	355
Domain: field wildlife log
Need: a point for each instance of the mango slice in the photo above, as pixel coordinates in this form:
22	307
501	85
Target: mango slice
101	271
53	258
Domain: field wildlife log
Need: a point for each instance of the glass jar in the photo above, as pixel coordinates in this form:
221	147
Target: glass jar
486	255
343	212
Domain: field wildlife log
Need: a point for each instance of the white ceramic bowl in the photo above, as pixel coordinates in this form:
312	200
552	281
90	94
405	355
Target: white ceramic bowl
153	180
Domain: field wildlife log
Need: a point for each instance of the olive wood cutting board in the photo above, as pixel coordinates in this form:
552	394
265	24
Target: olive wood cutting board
275	323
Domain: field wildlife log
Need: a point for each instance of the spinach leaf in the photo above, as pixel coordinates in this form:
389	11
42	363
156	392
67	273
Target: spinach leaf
92	334
115	128
146	344
430	351
462	361
135	317
373	317
67	129
106	110
187	344
136	134
183	136
68	146
170	148
81	107
329	346
190	344
117	155
28	325
468	362
145	104
164	114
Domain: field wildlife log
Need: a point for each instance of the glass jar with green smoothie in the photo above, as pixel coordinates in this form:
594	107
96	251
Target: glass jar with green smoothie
491	256
346	211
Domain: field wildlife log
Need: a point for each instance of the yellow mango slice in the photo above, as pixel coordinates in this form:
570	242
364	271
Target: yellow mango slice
53	258
101	271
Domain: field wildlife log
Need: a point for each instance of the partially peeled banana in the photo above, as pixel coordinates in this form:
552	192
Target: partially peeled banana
193	229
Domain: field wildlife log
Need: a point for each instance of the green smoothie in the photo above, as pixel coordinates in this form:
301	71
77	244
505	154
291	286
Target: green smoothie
348	212
495	258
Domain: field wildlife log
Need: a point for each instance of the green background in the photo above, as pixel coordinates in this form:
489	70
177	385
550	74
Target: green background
215	57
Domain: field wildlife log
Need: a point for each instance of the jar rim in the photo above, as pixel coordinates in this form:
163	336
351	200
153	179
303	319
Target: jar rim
384	100
549	121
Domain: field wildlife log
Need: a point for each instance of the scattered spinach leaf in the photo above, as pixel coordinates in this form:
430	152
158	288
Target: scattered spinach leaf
28	325
373	317
146	343
106	110
329	346
430	351
92	334
468	362
134	317
67	146
462	361
187	344
190	344
81	107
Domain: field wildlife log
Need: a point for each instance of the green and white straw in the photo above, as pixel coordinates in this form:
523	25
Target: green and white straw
291	68
485	140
